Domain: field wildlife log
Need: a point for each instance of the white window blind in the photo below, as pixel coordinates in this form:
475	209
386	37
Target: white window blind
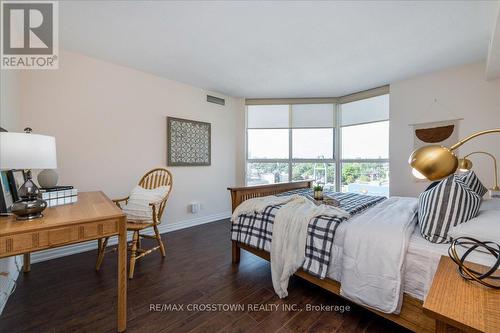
365	111
268	116
312	115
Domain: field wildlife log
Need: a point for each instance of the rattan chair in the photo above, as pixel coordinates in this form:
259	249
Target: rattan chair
151	180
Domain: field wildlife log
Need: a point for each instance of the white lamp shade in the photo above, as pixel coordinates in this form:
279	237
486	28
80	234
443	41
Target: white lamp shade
27	151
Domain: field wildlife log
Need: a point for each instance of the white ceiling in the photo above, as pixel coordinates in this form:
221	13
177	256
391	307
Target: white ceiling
281	49
493	63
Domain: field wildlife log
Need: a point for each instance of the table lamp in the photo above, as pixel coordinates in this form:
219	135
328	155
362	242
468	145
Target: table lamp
435	162
464	164
27	151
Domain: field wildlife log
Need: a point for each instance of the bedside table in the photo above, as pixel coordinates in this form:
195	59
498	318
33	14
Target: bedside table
459	305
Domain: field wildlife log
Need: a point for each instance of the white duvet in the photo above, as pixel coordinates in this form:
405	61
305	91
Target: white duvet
374	251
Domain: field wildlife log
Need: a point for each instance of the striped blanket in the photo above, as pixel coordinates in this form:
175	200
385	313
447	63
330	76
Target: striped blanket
256	230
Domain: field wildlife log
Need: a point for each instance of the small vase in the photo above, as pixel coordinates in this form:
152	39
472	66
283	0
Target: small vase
48	178
318	195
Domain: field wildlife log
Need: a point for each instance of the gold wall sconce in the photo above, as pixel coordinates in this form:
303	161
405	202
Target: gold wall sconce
435	162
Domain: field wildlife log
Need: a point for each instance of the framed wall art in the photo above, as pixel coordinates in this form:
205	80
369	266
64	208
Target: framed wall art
188	142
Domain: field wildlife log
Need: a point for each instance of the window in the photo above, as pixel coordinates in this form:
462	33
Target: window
267	173
366	178
323	173
365	146
312	143
343	146
259	146
290	142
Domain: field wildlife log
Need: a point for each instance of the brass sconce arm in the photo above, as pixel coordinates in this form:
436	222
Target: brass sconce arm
466	164
472	136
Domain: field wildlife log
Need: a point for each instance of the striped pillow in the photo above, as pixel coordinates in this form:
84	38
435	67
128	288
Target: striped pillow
446	205
471	180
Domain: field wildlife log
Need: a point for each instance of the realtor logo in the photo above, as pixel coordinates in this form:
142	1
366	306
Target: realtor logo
29	35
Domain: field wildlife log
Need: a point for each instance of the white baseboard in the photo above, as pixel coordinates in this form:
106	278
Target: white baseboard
92	245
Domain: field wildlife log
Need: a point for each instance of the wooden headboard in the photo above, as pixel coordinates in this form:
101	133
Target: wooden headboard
240	194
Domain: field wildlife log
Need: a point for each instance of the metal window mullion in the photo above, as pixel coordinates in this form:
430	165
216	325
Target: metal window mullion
267	160
366	123
294	160
300	127
337	147
313	160
290	143
246	145
266	128
365	160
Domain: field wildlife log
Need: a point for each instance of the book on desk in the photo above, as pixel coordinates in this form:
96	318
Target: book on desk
59	195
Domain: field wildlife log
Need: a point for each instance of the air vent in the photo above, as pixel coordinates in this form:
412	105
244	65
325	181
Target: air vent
216	100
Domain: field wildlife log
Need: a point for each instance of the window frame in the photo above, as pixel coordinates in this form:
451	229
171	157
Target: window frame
355	160
290	160
337	159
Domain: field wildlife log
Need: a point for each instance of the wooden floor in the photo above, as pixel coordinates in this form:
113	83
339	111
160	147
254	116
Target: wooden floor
67	295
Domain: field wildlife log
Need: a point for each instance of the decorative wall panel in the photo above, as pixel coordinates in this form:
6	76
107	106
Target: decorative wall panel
188	142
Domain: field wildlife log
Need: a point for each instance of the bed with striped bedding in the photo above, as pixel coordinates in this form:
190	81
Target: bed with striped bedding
256	229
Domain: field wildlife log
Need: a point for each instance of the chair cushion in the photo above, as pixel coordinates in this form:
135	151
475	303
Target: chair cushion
137	208
446	205
471	180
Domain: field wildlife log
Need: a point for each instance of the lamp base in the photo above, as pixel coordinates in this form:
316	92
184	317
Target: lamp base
29	217
29	209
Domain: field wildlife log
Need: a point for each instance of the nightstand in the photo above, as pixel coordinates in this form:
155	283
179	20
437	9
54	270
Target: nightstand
459	305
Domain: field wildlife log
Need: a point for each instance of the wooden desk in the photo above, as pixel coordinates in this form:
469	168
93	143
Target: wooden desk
94	216
459	305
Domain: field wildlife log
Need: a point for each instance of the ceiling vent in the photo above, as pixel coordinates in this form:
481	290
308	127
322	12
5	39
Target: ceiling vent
216	100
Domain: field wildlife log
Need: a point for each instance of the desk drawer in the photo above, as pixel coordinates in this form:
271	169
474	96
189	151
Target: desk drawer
34	241
23	242
98	229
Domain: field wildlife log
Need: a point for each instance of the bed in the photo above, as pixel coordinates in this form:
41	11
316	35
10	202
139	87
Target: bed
422	258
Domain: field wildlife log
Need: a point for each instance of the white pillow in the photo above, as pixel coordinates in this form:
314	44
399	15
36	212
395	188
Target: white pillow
490	204
484	227
137	208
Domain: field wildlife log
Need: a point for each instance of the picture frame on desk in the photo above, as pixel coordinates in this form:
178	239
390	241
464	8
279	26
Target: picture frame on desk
16	179
6	198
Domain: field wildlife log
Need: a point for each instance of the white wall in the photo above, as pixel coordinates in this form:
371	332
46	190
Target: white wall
110	127
461	91
10	100
10	104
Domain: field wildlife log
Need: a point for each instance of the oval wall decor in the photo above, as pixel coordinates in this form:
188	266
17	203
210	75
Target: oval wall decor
435	134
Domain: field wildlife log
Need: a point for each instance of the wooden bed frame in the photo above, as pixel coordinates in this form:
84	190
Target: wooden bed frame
411	316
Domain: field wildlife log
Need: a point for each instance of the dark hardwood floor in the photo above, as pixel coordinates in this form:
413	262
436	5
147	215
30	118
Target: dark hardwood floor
67	295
